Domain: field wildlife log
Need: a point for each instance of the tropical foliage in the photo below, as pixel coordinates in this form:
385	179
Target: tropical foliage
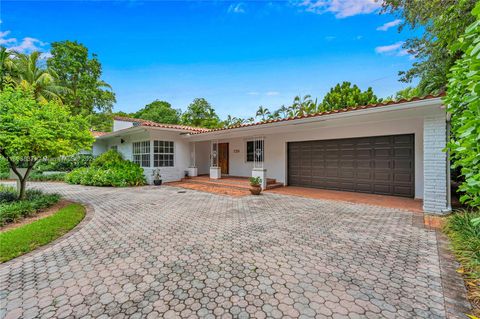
80	73
32	130
200	113
464	234
109	169
463	100
346	95
434	50
160	112
12	209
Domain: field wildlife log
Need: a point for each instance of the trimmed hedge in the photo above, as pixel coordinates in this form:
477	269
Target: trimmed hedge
64	164
109	169
12	209
39	177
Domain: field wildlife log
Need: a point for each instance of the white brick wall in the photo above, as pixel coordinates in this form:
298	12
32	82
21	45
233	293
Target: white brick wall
435	165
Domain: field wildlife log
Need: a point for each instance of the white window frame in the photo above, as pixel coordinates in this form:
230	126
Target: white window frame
141	153
167	151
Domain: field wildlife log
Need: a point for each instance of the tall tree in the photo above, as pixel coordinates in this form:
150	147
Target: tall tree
30	131
81	74
200	113
345	95
160	112
441	22
31	73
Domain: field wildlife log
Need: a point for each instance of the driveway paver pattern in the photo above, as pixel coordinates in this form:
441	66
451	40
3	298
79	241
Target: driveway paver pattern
154	252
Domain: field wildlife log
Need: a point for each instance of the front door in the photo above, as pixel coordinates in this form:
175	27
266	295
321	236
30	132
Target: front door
223	157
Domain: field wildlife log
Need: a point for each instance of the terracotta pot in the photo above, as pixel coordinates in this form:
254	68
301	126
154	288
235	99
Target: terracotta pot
255	190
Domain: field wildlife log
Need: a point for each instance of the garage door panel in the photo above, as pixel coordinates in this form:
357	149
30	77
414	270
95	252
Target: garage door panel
381	165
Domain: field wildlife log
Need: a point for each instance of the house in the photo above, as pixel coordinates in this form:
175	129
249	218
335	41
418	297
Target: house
395	148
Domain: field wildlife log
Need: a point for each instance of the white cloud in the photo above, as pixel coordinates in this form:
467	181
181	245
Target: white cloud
392	49
272	93
4	40
389	25
27	45
341	8
236	8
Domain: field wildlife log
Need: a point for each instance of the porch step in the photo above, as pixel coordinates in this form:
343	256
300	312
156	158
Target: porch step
229	182
212	182
273	185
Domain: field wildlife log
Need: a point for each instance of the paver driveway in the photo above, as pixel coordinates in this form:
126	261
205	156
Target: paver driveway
155	252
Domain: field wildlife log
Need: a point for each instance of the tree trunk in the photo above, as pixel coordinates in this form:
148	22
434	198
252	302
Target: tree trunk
23	186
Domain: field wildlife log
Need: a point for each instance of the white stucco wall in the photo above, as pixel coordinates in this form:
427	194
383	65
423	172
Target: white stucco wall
181	152
276	146
98	148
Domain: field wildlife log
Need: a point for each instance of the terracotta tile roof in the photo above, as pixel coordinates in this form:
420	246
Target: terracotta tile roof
162	125
97	133
348	109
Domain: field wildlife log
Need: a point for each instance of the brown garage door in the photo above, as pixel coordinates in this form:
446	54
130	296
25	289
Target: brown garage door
378	165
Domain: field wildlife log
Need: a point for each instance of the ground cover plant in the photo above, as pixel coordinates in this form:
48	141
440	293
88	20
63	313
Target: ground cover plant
463	229
21	240
12	209
108	169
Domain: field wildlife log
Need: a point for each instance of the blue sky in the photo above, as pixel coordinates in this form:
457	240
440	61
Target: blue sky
237	55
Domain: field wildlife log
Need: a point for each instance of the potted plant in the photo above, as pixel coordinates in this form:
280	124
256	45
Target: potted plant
255	187
157	178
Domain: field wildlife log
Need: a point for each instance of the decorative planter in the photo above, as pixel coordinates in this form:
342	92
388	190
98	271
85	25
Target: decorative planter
157	182
255	190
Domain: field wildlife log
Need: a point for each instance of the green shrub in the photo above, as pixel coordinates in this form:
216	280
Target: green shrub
109	169
464	233
39	177
7	196
110	158
463	100
463	229
4	168
64	164
13	210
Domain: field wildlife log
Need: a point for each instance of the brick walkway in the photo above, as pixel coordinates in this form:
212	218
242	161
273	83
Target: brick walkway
154	252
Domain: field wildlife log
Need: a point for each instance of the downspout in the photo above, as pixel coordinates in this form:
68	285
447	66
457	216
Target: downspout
449	179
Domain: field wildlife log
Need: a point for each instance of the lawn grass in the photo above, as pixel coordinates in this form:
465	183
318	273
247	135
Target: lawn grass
21	240
464	236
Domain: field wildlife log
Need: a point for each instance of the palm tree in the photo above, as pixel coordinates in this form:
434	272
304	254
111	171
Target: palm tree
282	112
30	74
262	112
6	67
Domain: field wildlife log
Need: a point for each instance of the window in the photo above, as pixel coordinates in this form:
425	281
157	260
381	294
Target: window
141	153
163	152
114	147
251	151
